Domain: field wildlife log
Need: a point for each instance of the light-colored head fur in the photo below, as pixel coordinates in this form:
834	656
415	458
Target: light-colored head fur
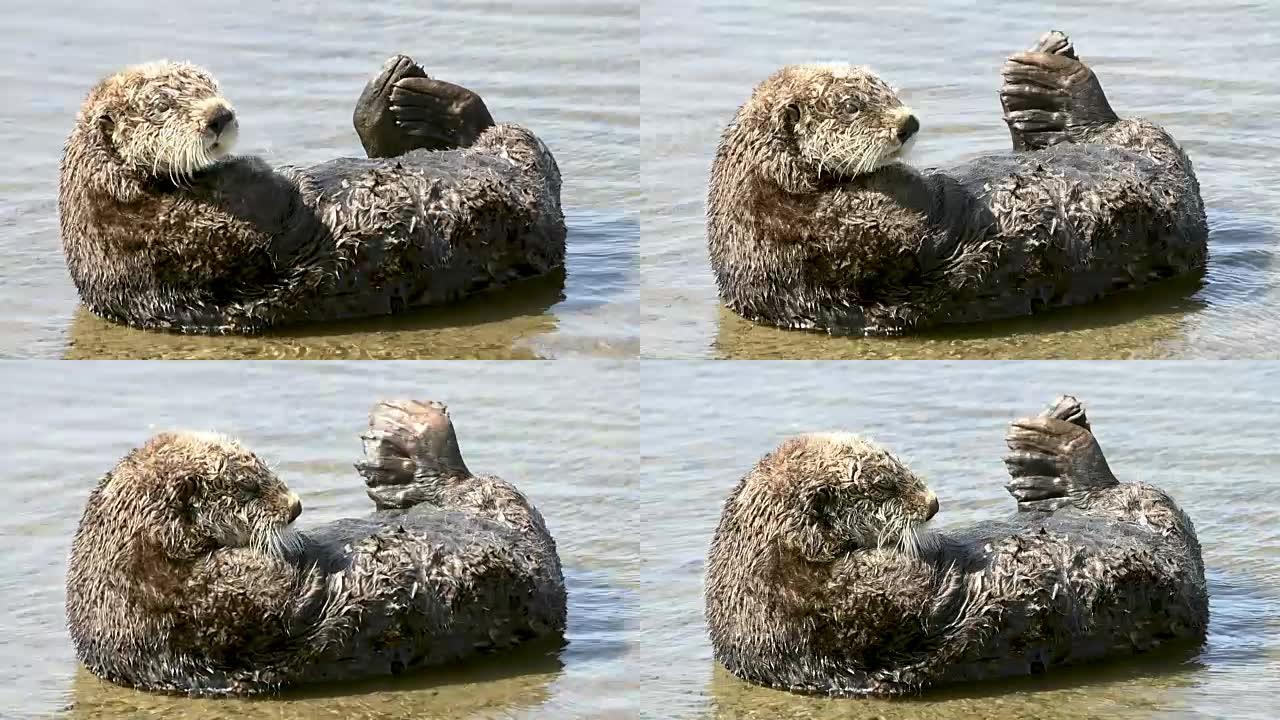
824	119
156	120
199	492
837	493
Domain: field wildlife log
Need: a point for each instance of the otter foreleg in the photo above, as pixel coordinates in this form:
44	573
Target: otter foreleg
1049	96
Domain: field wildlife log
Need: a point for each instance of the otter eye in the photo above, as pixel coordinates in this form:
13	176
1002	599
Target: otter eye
106	123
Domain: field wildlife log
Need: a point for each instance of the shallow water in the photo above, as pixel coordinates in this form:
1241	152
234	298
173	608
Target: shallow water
1202	431
552	430
567	71
1209	73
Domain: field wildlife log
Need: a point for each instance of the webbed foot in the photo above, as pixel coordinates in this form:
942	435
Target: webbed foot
1053	457
402	109
1049	96
410	448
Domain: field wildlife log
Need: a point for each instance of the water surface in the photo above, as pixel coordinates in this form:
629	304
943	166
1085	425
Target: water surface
1185	65
568	71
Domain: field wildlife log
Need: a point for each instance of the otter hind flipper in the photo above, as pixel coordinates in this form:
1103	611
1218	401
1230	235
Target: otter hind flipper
1054	457
439	115
409	449
1049	96
402	109
374	120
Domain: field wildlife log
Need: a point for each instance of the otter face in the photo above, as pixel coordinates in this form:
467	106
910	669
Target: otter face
841	493
204	491
162	118
845	120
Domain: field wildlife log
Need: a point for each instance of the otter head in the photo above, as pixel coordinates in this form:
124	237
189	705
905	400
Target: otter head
160	119
188	494
838	493
826	120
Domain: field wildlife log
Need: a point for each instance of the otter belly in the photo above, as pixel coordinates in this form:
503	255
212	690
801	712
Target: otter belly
432	586
1069	588
428	228
1073	223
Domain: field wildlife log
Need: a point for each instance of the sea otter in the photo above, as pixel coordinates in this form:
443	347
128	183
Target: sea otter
186	574
162	228
813	221
821	578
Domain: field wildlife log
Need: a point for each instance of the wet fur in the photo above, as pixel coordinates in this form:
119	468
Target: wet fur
159	234
186	576
821	580
813	223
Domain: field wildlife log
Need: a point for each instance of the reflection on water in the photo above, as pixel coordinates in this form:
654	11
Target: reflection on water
568	72
1216	92
497	325
1139	325
496	687
1131	689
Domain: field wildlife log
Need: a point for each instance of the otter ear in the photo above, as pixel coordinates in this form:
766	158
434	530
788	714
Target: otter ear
179	493
819	538
106	125
821	505
785	118
179	537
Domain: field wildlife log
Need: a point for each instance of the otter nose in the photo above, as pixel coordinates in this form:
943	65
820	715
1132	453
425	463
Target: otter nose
933	505
295	506
221	118
908	128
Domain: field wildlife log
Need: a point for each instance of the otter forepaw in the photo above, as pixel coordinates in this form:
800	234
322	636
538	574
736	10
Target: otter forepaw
1053	457
410	447
1049	96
